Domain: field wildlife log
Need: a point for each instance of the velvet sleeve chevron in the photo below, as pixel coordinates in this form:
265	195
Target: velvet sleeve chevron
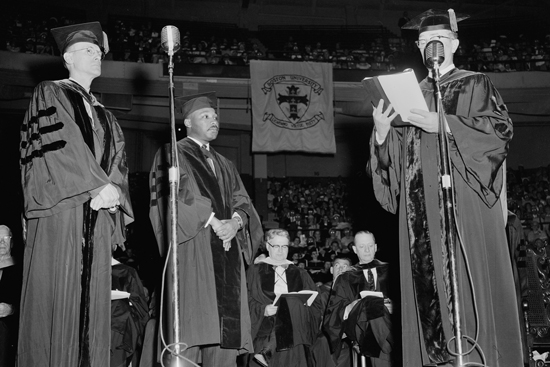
57	168
193	208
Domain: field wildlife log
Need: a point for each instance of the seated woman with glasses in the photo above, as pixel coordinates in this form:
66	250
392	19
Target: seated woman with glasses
283	329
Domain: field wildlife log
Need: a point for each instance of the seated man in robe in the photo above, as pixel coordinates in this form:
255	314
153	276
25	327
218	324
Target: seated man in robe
129	314
283	332
364	319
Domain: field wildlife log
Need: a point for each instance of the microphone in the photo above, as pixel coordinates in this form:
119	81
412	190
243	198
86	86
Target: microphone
434	54
170	39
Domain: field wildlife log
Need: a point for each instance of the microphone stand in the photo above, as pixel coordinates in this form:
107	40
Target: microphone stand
173	177
449	215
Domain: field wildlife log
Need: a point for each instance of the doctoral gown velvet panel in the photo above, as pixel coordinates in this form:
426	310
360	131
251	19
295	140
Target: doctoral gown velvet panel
299	330
405	178
369	322
128	316
213	299
65	156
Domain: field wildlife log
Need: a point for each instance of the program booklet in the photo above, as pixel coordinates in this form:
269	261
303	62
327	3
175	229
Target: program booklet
306	296
399	89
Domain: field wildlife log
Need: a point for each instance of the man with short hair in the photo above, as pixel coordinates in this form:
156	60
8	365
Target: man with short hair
10	294
364	319
76	203
217	224
405	168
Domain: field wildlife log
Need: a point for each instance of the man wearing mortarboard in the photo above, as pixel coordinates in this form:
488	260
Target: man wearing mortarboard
76	204
217	225
404	165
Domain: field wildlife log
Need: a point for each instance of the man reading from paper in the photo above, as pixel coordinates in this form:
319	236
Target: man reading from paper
404	164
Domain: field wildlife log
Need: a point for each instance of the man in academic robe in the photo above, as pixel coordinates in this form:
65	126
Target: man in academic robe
129	315
216	225
404	165
285	331
10	294
76	204
362	320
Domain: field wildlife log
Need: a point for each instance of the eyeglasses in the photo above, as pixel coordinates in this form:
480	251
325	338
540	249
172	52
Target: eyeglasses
91	52
277	247
423	42
5	239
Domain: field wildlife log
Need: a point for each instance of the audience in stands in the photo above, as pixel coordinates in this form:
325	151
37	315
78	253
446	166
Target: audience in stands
138	40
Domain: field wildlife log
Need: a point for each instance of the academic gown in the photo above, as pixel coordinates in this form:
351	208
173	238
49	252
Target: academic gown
296	325
369	322
10	293
65	156
128	316
213	300
404	170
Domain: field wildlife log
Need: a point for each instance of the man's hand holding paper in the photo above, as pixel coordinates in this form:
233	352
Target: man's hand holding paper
425	120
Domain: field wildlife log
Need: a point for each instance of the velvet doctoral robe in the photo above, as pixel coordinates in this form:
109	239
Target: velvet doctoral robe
128	316
66	158
405	175
10	293
213	299
296	325
369	322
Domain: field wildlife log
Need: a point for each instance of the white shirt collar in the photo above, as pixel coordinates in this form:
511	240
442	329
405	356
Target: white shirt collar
445	70
274	262
207	145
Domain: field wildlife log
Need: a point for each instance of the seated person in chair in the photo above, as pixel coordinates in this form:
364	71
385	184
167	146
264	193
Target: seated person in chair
365	320
129	314
283	333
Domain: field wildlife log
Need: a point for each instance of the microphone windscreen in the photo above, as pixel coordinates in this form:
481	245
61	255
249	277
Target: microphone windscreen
170	38
434	52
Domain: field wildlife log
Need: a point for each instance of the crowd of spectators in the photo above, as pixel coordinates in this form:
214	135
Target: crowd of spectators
315	212
31	34
529	199
138	40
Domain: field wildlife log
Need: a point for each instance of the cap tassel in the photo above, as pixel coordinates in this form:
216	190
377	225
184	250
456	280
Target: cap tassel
105	43
452	20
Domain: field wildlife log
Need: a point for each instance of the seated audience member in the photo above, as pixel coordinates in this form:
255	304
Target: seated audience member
128	316
536	232
314	262
283	333
365	320
10	291
333	238
346	239
339	266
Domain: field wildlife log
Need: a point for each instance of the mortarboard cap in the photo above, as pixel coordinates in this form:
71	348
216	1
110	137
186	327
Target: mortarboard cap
189	104
84	32
435	19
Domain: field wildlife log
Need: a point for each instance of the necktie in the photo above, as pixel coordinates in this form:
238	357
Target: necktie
208	155
370	280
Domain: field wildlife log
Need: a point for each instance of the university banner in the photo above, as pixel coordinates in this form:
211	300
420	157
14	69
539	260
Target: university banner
292	106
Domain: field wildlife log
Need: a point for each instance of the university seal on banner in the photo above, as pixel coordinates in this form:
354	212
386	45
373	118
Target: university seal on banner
291	100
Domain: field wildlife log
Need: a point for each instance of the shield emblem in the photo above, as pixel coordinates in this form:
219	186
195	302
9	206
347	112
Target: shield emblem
293	100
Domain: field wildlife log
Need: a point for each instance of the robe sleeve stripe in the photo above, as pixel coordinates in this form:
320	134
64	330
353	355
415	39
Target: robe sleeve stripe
49	129
42	113
56	145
